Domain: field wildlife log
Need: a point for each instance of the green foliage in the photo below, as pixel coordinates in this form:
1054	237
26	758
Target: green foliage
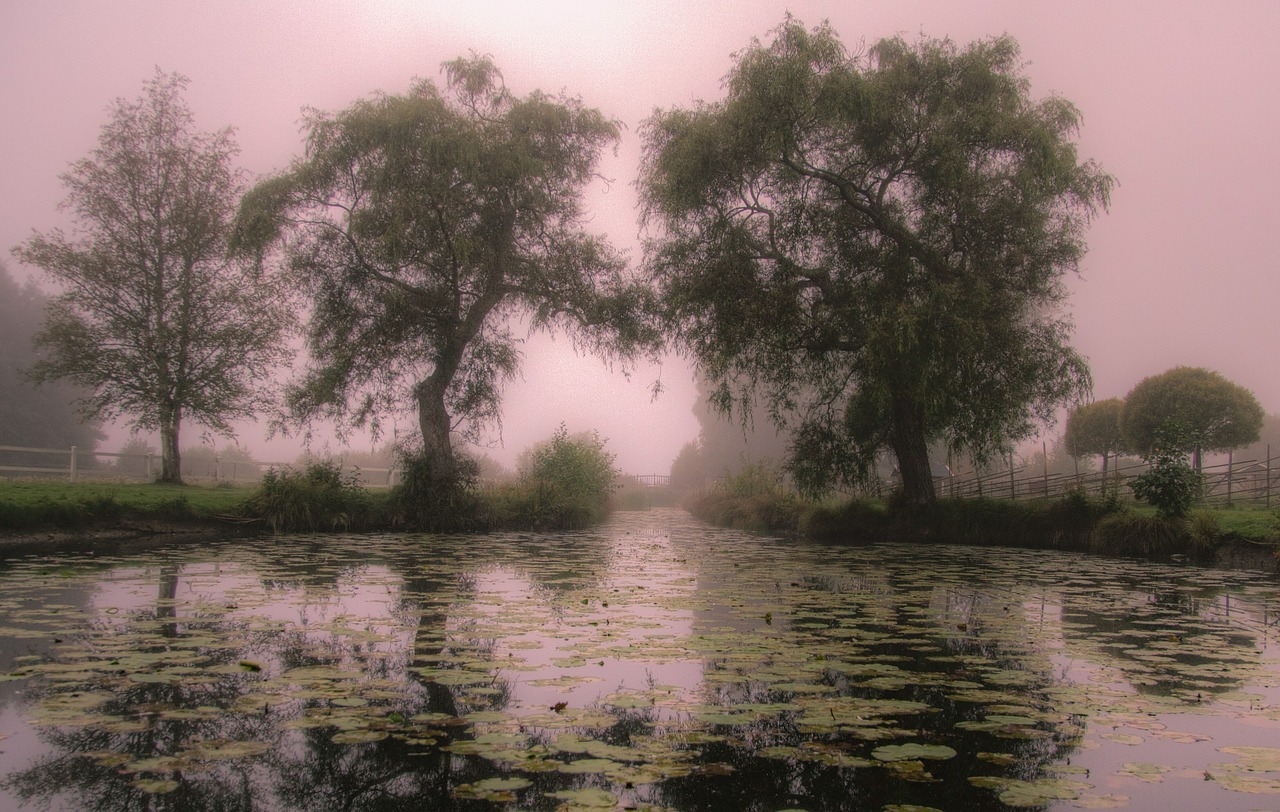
435	498
74	514
571	479
1170	485
319	498
419	225
1214	413
152	319
877	262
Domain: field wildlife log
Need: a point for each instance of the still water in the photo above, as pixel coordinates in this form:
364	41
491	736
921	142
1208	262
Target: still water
652	663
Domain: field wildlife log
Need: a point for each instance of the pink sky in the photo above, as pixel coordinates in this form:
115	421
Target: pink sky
1181	102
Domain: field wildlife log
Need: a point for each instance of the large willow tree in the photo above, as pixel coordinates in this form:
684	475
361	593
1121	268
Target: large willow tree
876	243
420	225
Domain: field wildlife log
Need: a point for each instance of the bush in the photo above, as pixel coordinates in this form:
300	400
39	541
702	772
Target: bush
1171	485
568	481
320	497
434	501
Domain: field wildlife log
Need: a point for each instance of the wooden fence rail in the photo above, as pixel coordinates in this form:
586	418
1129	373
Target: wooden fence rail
1251	481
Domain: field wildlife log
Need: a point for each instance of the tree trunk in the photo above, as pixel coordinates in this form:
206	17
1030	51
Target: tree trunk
435	425
170	461
912	451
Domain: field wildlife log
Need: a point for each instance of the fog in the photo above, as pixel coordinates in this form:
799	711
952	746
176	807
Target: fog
1181	103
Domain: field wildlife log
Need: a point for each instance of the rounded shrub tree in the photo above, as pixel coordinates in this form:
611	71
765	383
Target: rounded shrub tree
1213	413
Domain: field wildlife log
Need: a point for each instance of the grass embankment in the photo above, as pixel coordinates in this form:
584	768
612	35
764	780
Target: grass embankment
570	491
30	506
754	501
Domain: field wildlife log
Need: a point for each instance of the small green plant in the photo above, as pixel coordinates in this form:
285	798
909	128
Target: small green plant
321	497
1170	485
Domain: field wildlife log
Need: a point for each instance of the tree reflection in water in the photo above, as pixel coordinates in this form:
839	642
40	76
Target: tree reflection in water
662	664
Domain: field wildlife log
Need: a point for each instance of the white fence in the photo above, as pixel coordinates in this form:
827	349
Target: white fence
75	465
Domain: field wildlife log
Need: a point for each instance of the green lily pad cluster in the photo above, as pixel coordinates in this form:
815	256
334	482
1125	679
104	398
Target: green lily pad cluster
640	664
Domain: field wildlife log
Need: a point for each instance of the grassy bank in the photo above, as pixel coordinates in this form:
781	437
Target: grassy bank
321	498
31	506
1075	522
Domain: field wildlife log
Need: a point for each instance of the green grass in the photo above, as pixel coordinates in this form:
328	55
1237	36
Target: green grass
38	505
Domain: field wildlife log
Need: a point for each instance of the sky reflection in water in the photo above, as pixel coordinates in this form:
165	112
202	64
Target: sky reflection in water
652	663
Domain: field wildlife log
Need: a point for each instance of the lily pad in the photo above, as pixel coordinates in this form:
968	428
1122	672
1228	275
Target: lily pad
908	752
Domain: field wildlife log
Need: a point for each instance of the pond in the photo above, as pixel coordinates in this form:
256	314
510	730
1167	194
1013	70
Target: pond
651	663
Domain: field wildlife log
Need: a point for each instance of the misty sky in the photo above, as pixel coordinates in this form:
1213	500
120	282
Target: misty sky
1181	103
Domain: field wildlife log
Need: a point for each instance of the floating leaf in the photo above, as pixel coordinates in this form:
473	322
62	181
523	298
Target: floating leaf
906	752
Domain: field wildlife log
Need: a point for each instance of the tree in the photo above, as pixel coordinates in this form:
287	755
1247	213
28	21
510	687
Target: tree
40	417
877	242
1214	414
419	225
1094	428
152	317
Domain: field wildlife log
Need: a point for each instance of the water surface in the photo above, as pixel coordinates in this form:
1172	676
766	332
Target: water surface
653	663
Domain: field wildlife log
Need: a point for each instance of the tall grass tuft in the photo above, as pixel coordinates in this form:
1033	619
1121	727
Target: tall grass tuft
1138	534
319	498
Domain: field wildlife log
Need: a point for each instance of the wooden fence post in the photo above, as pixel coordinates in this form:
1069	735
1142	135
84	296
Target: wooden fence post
1044	449
1013	493
72	471
1230	473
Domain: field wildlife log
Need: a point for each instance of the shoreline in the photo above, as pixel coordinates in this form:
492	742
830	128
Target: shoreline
124	537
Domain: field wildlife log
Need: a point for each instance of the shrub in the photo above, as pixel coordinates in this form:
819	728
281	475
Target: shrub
568	481
320	497
1171	485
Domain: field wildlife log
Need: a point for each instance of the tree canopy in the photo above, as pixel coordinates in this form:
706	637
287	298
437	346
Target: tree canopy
876	243
1210	412
420	225
1094	428
152	318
